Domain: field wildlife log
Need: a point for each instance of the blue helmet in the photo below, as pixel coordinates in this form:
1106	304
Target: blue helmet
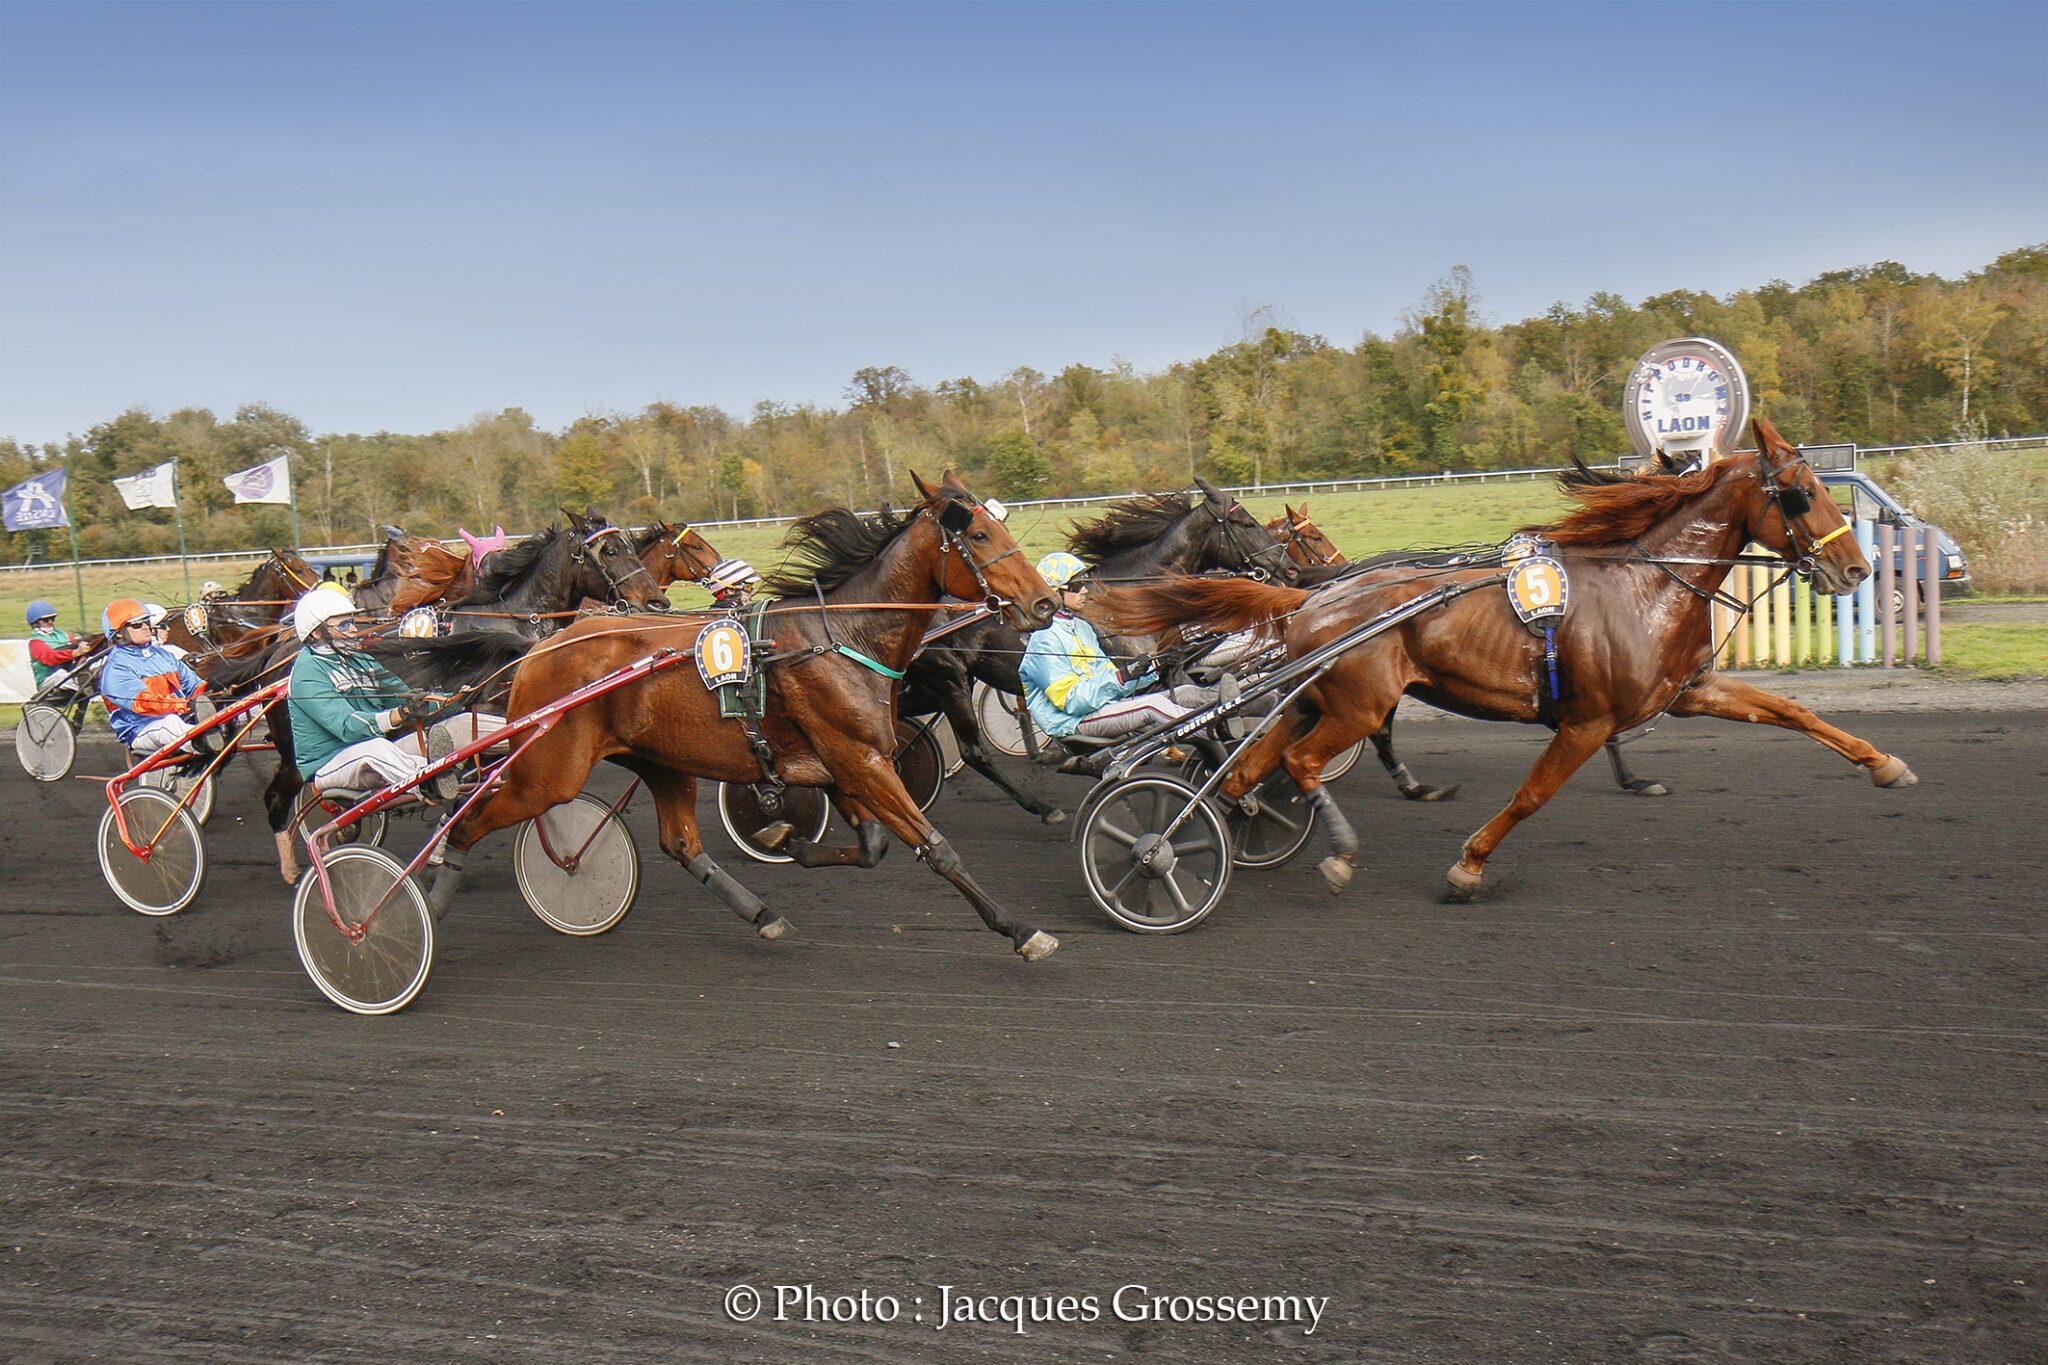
39	611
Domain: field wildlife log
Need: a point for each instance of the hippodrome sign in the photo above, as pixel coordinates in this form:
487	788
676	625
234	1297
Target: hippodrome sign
724	655
1686	397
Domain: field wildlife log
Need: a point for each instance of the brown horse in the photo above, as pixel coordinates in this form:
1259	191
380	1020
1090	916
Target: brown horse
674	553
1307	544
851	617
1646	559
247	621
414	571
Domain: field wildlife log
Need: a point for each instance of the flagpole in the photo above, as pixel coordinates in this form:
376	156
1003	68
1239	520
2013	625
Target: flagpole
183	563
77	574
291	486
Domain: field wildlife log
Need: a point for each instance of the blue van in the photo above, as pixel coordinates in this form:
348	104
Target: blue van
1860	498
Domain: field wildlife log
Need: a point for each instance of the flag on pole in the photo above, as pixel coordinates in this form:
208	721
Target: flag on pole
35	503
151	488
270	481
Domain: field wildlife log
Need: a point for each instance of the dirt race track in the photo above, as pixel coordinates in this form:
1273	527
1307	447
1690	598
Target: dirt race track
1754	1073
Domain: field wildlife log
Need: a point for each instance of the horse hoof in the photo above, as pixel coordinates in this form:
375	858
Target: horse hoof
1893	772
773	837
1645	787
1054	817
774	928
1040	944
1428	793
1337	872
1464	885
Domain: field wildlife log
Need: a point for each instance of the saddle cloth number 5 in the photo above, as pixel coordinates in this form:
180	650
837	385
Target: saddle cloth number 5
1536	590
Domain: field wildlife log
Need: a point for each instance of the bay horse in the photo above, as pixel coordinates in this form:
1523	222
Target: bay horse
1140	537
522	587
230	626
672	554
853	605
1646	560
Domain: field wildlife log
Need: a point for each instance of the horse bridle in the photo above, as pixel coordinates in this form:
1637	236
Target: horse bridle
1255	561
1316	558
584	552
953	533
1793	503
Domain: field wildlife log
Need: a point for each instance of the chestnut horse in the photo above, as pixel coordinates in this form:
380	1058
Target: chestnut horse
1645	559
851	616
247	621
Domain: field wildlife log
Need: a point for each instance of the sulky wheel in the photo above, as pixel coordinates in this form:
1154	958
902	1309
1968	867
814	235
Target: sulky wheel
577	866
744	811
1269	824
316	808
166	876
45	743
1341	762
383	963
177	781
1139	878
1002	728
919	762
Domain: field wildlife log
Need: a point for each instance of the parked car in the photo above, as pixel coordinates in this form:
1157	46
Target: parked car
1861	497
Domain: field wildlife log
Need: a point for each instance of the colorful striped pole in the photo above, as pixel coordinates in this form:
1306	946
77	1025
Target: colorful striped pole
1866	597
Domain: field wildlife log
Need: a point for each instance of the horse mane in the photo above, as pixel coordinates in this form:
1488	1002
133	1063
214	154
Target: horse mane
1616	508
255	576
505	568
643	541
832	546
1128	524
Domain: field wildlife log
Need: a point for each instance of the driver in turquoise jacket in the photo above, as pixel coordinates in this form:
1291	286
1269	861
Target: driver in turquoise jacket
1072	686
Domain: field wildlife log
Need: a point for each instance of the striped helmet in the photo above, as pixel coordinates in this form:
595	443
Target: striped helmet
727	575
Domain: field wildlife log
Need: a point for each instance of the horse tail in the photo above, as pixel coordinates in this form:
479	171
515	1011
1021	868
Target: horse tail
451	662
1225	604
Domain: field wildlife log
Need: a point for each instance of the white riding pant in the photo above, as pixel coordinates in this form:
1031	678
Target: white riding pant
158	733
398	762
1144	710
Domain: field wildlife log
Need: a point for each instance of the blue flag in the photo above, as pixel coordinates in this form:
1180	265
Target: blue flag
35	503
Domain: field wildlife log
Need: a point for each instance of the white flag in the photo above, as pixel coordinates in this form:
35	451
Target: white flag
151	488
270	481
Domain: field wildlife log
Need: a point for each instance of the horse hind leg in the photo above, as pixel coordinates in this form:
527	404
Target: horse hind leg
1628	781
1304	761
675	808
871	841
1405	781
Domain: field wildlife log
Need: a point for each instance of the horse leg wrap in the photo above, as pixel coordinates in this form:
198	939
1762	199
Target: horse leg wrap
743	902
940	855
1404	779
874	842
1343	839
447	880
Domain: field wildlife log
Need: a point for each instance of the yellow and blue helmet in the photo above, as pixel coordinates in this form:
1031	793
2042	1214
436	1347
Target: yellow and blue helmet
1060	568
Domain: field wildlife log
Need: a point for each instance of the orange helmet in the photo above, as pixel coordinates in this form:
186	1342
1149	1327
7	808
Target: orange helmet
119	613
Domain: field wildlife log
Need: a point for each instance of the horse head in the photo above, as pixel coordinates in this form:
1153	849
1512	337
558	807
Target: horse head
1238	542
991	566
606	553
673	553
1793	515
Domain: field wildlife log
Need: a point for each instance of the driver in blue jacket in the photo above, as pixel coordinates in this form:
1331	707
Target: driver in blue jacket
1070	683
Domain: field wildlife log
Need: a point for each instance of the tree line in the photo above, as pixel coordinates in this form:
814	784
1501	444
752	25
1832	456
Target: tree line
1877	355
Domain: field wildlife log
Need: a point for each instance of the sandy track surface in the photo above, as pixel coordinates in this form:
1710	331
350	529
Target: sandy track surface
1750	1073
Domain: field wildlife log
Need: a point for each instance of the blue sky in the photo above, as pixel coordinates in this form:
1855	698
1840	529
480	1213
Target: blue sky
399	216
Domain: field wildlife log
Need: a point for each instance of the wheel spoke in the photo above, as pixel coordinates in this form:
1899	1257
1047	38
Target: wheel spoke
1172	884
1116	832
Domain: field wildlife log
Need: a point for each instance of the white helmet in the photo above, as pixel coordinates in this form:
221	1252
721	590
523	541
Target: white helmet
728	574
208	588
156	613
323	604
